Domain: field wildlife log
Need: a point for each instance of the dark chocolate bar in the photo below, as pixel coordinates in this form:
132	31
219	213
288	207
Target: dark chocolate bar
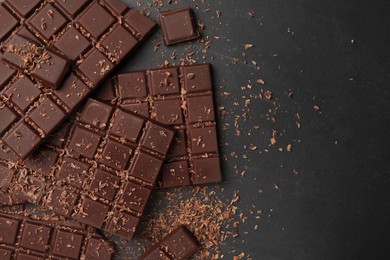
95	35
180	244
99	168
181	97
178	26
25	238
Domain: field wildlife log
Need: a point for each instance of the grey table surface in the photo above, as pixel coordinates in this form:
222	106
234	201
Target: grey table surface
329	197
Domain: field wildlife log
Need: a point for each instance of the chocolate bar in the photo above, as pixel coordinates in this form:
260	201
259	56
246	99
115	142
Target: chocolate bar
178	26
35	37
180	97
25	238
99	168
180	244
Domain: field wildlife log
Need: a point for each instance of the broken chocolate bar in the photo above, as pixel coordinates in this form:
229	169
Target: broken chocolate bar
180	244
95	35
181	97
25	238
99	168
178	26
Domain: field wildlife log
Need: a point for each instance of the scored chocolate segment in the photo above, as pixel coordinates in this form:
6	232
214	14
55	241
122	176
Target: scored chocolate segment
180	97
42	41
24	238
178	26
180	244
101	167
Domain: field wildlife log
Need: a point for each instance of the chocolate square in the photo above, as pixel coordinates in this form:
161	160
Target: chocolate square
47	115
134	197
84	142
116	155
72	43
61	201
157	138
52	71
72	172
22	139
119	43
104	184
23	92
197	78
204	140
168	112
138	23
92	212
145	167
163	82
96	114
96	20
178	26
200	109
9	230
175	174
131	85
35	237
67	244
72	92
127	126
95	66
207	170
48	21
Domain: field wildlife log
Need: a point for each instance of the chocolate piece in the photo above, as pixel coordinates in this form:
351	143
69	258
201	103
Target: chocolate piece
100	169
178	26
24	238
40	41
180	244
41	63
180	97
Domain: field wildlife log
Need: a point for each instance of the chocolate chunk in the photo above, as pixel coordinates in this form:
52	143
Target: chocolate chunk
24	238
95	20
72	43
180	97
47	116
101	169
178	26
180	244
22	139
95	67
36	57
48	21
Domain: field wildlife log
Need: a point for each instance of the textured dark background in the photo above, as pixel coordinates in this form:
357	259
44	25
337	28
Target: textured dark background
336	205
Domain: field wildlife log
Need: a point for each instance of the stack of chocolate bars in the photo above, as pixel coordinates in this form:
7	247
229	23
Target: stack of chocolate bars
89	145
